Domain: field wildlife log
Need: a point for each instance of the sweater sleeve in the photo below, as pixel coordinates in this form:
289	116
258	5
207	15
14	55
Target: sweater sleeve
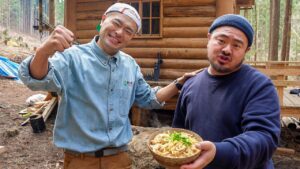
180	112
261	129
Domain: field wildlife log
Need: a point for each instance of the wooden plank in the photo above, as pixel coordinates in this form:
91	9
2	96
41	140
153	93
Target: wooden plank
2	149
86	24
290	111
187	21
293	99
284	83
168	3
193	11
86	34
164	43
170	43
168	53
284	151
48	109
185	32
88	15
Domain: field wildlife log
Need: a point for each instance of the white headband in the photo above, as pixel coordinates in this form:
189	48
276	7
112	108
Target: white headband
127	10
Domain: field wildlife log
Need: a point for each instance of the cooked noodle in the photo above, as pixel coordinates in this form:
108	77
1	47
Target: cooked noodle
175	144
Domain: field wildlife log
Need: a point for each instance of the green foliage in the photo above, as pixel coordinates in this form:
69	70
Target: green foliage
259	17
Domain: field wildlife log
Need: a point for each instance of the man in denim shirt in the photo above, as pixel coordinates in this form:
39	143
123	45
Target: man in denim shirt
97	84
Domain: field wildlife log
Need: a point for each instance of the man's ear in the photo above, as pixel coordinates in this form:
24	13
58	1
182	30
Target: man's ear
98	27
102	19
208	36
248	48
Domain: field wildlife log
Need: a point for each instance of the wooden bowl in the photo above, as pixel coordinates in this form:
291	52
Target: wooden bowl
173	162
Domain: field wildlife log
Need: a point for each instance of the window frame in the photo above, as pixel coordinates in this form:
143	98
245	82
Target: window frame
140	2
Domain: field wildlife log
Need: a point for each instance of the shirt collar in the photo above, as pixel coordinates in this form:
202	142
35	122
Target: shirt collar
104	57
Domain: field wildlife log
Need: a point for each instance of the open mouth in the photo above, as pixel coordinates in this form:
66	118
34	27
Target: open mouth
113	39
224	59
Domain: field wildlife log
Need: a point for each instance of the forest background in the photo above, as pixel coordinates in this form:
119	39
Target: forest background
21	15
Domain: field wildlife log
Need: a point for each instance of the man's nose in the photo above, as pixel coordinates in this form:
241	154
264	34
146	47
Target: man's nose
227	49
119	31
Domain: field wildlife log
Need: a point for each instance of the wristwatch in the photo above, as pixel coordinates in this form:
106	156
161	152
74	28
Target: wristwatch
177	84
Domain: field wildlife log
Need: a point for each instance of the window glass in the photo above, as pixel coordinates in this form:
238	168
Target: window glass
146	9
155	9
155	26
146	26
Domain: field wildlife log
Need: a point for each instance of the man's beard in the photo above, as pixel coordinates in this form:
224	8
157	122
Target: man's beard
223	70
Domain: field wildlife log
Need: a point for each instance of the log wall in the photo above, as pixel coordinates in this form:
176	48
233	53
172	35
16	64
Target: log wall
183	39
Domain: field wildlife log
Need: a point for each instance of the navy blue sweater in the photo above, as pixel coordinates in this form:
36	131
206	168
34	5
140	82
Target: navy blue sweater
239	112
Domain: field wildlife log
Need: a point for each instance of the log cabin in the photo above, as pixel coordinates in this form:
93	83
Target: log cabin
172	40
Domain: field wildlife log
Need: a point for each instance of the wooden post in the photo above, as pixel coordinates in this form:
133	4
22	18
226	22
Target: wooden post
70	15
224	7
40	16
51	13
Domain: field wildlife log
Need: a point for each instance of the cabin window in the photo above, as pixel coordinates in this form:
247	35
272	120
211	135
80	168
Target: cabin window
150	13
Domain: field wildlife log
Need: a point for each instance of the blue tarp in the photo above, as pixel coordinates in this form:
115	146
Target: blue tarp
8	68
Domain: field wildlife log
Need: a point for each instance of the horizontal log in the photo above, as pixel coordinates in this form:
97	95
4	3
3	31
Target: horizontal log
168	3
86	24
206	11
168	53
285	151
170	43
86	34
285	83
290	111
94	6
163	43
78	1
173	63
185	32
94	15
169	74
187	21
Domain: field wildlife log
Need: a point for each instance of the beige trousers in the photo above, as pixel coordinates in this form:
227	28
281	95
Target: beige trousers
118	161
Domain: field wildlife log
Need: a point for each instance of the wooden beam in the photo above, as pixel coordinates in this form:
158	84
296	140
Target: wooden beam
168	3
193	11
170	43
185	32
48	109
187	21
284	151
94	6
168	53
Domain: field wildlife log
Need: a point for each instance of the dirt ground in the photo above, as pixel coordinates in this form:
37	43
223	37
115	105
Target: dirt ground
26	150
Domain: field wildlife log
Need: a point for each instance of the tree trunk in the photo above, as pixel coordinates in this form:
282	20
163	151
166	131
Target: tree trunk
286	31
274	29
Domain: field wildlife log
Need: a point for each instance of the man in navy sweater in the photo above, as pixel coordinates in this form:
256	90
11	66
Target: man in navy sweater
231	105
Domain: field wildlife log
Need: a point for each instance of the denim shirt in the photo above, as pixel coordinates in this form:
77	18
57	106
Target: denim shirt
96	92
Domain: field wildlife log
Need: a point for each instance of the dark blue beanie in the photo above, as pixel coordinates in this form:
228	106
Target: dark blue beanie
236	21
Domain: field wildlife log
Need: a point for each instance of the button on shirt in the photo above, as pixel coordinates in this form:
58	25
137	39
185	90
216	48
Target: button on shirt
96	91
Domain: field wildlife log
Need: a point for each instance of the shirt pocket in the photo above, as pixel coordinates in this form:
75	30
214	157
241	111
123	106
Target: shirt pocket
124	103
